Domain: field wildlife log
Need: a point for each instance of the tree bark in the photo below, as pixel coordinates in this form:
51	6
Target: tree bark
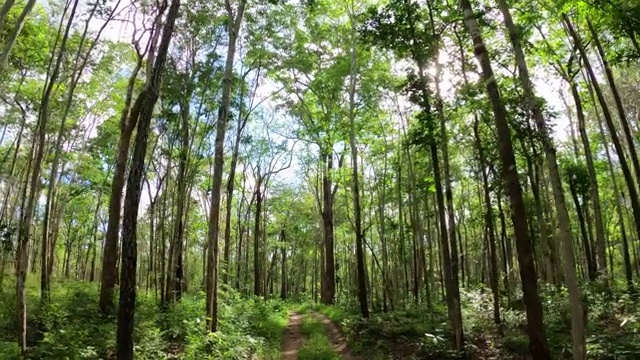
616	96
489	230
577	316
626	171
6	7
110	251
328	293
593	180
537	339
176	285
32	185
362	290
283	280
6	50
257	264
146	102
221	127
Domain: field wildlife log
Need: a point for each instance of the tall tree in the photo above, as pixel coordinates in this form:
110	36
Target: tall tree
577	320
32	183
142	112
537	339
235	22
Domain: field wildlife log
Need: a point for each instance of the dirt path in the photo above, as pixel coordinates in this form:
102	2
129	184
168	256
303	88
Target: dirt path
293	338
337	340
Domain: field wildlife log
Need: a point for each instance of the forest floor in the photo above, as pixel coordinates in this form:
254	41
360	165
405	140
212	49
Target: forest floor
295	338
69	327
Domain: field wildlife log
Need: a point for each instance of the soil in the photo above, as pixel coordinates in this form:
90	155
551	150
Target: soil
293	338
335	336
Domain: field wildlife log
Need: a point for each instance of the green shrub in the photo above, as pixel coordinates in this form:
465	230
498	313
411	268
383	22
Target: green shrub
247	327
9	350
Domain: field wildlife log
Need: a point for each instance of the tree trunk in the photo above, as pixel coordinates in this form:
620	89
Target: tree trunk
5	10
79	65
593	180
32	185
242	122
489	229
221	127
616	96
362	290
447	242
577	316
176	286
626	171
6	50
110	251
257	274
145	104
537	338
591	270
283	280
328	294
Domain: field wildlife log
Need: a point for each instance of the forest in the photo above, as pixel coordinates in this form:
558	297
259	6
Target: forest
320	179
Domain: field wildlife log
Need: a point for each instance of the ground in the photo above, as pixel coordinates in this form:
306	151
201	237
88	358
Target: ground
295	338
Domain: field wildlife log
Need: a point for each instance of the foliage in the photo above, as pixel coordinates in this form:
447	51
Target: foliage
69	327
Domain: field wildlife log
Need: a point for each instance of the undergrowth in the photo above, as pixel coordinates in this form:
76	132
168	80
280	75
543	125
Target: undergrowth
419	332
70	327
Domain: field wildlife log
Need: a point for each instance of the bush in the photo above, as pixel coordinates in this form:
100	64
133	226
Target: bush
248	327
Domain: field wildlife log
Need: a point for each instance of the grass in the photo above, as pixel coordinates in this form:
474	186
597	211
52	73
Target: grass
310	325
317	346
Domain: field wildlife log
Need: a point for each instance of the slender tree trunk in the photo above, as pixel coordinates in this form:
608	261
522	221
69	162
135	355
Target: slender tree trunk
229	199
577	316
449	264
257	274
221	125
94	243
6	50
401	238
591	270
619	202
146	102
328	295
8	4
626	171
176	286
537	338
362	290
283	280
242	122
33	184
618	100
489	229
451	220
593	180
110	251
79	65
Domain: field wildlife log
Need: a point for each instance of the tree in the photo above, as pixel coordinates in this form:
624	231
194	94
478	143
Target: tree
577	321
537	339
141	113
223	114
